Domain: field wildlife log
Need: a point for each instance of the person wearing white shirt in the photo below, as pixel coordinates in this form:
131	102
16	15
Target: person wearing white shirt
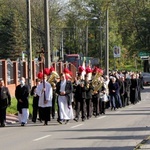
45	93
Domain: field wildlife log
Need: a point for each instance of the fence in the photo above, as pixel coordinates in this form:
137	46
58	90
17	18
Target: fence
11	71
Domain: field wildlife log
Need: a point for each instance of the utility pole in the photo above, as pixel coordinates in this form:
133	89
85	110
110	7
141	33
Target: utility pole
47	35
62	45
100	40
107	44
86	46
29	44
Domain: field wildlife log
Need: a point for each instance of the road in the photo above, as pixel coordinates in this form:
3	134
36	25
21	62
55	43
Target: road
122	129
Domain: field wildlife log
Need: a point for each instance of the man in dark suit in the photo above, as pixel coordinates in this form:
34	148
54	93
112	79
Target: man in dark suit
22	96
80	98
5	100
88	88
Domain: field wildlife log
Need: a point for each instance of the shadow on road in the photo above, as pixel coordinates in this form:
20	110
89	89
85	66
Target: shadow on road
106	129
93	148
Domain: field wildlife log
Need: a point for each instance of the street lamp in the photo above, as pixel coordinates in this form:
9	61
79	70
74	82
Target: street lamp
107	44
100	37
29	44
47	35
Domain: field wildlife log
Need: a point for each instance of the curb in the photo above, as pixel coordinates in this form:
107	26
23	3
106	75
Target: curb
144	141
11	119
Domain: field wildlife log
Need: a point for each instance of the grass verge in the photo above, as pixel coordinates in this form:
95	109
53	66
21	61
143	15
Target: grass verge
13	108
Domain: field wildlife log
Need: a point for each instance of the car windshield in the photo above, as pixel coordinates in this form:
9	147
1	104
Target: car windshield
72	59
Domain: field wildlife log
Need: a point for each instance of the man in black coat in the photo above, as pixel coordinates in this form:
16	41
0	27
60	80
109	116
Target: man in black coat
22	96
127	89
80	98
122	90
88	88
5	100
133	89
113	92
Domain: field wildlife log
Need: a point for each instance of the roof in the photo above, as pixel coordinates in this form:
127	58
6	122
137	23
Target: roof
72	55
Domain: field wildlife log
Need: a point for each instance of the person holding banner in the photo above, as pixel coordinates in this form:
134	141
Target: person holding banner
45	93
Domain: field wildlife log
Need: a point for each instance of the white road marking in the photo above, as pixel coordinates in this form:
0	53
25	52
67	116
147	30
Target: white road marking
77	126
101	117
41	138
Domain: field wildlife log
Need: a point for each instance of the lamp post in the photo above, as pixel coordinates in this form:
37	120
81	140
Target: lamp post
87	41
100	37
107	44
100	40
47	35
29	44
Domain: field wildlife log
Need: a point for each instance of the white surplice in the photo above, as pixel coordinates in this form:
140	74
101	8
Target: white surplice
48	94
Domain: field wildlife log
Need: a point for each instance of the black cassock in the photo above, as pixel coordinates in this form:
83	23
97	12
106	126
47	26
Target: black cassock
133	91
23	94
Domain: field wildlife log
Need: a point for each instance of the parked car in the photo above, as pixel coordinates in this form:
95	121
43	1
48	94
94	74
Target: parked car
146	78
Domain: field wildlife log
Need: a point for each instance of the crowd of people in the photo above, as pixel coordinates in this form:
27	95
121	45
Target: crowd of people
82	97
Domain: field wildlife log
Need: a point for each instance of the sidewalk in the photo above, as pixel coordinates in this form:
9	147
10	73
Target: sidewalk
11	119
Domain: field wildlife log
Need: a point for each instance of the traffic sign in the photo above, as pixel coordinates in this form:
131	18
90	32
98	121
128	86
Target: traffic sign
144	53
145	57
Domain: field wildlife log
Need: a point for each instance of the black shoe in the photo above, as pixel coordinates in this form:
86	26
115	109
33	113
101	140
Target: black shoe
22	124
75	119
66	121
83	119
3	125
40	120
33	120
45	123
59	121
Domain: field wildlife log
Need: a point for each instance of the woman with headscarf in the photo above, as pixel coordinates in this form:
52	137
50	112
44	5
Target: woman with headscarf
64	90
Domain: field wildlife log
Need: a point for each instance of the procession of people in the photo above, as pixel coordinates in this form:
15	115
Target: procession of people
90	93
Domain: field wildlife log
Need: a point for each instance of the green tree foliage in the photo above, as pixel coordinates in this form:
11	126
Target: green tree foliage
11	33
129	27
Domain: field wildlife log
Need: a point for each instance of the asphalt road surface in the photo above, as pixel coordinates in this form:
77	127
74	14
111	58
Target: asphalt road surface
122	129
